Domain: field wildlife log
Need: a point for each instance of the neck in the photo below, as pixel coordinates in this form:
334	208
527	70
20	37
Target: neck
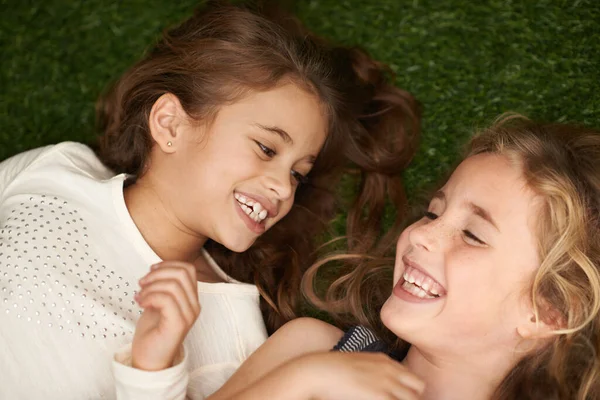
165	234
461	377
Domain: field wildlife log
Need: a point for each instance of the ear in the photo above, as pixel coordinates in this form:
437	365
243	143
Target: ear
550	320
165	120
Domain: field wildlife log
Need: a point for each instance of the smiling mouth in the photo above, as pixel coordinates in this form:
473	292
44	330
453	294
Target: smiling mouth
419	284
252	208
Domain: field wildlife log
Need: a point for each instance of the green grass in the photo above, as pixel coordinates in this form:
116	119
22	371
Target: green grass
466	61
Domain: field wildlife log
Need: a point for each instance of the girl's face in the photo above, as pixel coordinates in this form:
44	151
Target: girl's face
235	178
463	271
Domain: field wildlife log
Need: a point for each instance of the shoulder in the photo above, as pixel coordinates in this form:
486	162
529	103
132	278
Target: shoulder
65	153
313	324
80	157
313	332
66	164
295	339
54	161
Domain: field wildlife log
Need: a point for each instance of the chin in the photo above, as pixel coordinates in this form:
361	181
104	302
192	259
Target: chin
386	313
394	316
238	246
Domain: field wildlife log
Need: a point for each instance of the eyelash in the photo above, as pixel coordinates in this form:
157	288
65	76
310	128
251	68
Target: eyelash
268	152
467	233
430	215
301	179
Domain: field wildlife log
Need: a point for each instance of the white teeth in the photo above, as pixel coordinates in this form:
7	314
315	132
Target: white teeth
254	209
418	285
419	281
416	291
426	286
423	282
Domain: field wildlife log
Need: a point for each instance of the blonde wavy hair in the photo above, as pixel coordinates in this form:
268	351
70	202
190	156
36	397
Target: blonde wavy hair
561	163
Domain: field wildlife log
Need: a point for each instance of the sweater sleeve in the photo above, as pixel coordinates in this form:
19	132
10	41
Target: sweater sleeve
13	166
133	384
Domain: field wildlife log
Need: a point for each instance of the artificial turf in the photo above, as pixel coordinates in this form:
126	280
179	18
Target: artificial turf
466	61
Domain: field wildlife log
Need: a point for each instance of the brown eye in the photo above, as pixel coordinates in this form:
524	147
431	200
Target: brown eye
430	215
301	179
268	151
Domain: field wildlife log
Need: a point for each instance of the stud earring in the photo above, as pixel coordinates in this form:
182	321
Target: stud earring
169	143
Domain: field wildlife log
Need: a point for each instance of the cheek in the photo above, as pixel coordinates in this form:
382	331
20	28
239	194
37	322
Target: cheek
480	298
284	210
402	247
204	182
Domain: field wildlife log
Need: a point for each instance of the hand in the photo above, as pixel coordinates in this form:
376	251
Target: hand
357	376
169	297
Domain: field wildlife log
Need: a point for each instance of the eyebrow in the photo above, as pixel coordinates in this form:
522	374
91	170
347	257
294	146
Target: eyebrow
477	210
483	214
278	131
285	137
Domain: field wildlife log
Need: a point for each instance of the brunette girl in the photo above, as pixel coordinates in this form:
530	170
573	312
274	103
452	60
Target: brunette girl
221	148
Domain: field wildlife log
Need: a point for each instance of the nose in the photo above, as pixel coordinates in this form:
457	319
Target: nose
279	183
429	235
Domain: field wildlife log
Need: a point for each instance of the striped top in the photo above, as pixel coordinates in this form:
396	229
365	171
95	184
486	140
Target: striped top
360	338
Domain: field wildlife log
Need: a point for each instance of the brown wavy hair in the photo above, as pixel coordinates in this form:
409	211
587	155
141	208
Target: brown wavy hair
561	163
217	56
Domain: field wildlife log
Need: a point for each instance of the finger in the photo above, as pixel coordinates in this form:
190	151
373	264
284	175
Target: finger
172	288
171	315
410	380
384	387
188	289
401	392
405	394
402	374
174	273
190	269
189	308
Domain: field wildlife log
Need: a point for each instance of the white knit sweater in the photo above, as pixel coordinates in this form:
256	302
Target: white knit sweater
70	260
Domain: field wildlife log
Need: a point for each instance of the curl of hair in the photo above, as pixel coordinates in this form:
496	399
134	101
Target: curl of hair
222	53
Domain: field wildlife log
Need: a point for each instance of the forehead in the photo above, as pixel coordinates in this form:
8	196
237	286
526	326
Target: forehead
497	185
287	107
